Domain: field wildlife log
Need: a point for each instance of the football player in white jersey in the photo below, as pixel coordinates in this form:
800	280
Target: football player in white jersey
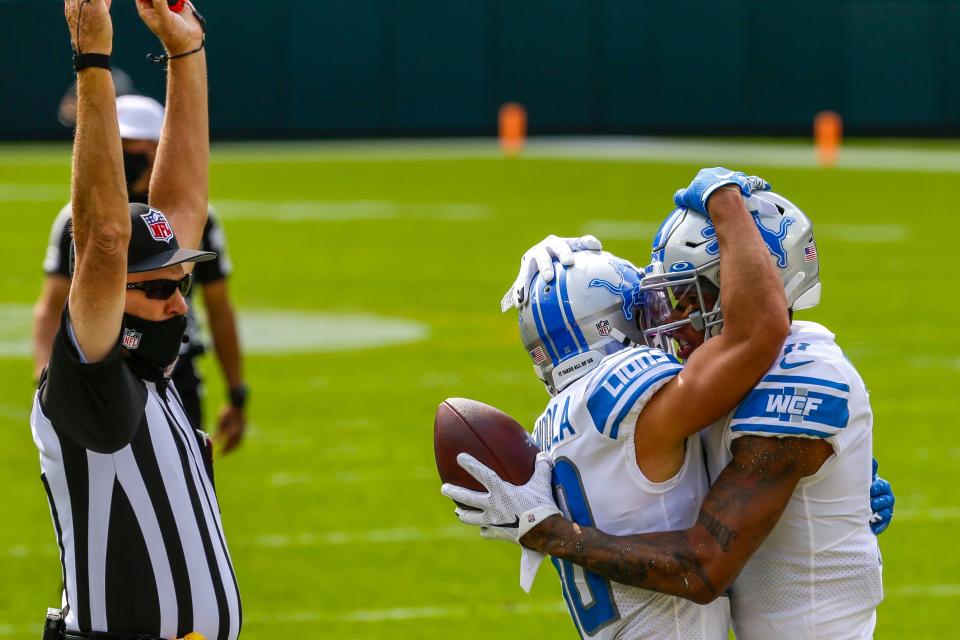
786	520
621	429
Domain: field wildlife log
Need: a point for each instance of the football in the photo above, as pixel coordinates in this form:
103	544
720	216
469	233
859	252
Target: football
486	433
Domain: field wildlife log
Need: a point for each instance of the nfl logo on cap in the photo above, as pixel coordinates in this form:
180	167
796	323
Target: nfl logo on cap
159	228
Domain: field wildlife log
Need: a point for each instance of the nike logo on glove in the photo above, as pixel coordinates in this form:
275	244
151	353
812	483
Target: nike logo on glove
509	525
793	365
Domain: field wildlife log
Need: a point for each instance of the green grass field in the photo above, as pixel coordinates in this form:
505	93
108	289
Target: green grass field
332	507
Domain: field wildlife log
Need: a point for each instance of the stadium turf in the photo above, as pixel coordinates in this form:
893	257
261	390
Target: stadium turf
332	509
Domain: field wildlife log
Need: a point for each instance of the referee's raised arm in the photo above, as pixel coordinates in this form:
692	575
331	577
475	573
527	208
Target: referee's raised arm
179	186
101	220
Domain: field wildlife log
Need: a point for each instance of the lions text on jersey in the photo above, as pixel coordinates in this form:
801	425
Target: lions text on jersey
818	574
588	430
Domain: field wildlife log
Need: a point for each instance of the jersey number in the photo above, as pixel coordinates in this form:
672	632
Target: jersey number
591	601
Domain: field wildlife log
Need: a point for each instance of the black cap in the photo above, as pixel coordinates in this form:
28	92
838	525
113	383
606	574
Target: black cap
152	243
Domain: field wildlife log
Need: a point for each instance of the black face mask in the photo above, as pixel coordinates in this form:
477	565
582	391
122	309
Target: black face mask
152	346
134	166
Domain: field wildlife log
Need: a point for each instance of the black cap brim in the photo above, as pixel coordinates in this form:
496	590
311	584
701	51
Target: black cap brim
170	258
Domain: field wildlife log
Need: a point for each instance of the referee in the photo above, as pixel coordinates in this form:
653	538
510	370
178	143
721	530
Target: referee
129	481
141	121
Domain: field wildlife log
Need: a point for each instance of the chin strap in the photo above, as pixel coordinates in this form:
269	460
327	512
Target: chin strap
623	339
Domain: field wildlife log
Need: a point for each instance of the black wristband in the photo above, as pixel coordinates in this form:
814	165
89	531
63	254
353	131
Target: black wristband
86	60
238	396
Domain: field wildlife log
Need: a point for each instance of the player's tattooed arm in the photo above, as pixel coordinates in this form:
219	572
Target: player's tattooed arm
701	562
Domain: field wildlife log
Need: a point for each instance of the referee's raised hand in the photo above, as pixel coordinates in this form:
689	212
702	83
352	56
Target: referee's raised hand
179	32
91	30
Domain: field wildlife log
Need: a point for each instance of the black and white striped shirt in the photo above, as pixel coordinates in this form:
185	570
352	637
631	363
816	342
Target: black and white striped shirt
131	492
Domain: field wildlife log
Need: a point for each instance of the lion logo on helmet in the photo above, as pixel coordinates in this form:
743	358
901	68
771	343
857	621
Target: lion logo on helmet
773	239
628	288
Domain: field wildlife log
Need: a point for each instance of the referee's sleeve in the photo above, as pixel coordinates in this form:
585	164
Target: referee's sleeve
98	405
214	239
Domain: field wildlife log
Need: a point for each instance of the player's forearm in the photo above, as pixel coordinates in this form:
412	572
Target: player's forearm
179	186
226	343
45	323
667	562
752	298
99	192
699	564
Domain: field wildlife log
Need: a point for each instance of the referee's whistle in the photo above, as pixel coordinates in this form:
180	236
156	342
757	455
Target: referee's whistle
175	5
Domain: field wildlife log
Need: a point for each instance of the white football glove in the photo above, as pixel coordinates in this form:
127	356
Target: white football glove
539	259
506	511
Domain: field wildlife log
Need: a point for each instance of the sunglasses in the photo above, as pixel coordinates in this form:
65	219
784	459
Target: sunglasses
163	289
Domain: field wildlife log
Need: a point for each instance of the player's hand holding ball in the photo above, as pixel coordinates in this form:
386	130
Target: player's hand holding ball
696	195
91	30
505	511
179	31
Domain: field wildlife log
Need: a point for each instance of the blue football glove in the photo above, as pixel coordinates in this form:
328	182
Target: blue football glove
707	181
881	502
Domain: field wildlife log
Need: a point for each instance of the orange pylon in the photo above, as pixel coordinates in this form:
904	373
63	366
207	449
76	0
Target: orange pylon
827	137
513	128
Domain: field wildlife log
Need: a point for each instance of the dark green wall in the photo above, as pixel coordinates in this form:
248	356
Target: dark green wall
310	68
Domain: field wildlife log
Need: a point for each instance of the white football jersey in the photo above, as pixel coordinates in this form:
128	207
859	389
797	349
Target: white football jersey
588	429
818	574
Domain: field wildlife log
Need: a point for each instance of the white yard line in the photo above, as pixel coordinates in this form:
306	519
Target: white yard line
622	230
862	233
10	192
705	152
406	613
374	536
19	414
925	591
349	210
265	332
935	514
692	151
849	233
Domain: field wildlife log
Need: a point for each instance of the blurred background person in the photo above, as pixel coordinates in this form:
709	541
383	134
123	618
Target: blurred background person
141	120
67	111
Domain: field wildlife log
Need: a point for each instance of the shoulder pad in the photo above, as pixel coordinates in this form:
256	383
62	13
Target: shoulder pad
807	398
623	384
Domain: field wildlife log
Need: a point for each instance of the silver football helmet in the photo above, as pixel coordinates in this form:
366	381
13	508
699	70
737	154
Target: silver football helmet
588	311
686	265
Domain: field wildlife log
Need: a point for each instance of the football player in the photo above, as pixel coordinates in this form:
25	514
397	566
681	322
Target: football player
621	428
787	510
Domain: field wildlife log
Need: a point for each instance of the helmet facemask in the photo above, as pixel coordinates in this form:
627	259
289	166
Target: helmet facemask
676	301
686	264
